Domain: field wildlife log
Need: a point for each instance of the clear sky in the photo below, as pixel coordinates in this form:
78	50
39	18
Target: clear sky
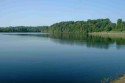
47	12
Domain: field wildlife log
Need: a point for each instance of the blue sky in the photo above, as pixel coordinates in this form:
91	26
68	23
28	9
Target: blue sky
47	12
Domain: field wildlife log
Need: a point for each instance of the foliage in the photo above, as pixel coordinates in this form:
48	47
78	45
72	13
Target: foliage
24	29
98	25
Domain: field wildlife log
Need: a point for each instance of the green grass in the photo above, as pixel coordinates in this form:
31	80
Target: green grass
109	34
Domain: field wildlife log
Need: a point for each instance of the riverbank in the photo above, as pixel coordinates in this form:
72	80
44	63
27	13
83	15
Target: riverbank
121	79
109	34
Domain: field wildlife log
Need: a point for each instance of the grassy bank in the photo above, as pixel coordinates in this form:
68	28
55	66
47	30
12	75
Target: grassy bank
109	34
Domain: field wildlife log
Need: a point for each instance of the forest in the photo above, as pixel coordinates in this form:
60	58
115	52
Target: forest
23	29
97	25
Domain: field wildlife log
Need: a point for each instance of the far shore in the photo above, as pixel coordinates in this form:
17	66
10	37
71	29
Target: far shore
109	34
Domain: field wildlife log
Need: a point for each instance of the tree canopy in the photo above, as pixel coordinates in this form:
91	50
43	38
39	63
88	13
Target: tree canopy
97	25
24	29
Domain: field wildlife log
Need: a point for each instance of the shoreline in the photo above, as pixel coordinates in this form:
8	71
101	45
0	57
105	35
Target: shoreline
120	79
109	34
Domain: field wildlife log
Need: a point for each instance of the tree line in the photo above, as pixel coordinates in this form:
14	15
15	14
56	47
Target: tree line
24	29
97	25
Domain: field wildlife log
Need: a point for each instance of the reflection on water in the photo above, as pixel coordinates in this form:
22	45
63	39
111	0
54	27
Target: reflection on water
82	40
60	58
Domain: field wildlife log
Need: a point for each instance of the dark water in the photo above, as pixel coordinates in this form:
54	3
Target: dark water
62	58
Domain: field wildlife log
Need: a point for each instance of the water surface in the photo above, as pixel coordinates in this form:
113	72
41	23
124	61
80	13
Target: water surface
59	58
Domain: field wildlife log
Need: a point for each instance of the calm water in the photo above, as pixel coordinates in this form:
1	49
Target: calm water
62	58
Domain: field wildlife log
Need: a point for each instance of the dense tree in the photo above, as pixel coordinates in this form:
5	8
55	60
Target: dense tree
119	24
98	25
85	26
24	29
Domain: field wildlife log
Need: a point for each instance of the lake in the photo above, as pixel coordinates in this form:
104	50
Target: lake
60	58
